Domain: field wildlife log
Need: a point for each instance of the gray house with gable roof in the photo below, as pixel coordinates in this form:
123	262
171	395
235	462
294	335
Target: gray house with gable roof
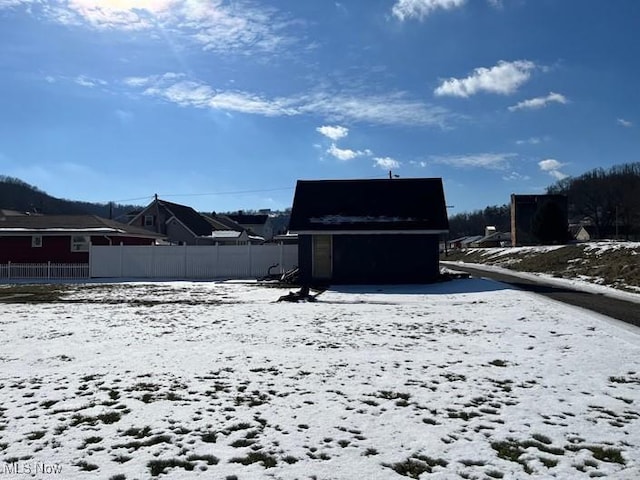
182	225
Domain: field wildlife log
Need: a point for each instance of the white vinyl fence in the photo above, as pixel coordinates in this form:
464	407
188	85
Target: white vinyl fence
44	271
200	262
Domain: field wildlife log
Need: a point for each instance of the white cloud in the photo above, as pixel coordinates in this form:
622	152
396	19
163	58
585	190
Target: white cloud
244	102
420	163
388	109
14	3
550	164
114	14
152	79
504	79
552	167
491	161
515	176
406	9
247	26
86	81
624	123
345	154
333	132
532	141
196	94
241	25
539	102
386	163
137	81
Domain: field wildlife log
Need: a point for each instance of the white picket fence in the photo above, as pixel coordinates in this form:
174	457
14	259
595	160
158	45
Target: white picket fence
191	262
44	271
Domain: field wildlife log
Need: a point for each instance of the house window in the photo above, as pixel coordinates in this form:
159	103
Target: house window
149	221
36	241
80	243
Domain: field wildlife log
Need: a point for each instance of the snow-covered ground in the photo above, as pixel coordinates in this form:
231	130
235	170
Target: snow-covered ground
464	379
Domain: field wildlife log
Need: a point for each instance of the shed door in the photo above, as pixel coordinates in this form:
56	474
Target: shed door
322	262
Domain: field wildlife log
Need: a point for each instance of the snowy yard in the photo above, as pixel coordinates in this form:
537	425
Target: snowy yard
465	379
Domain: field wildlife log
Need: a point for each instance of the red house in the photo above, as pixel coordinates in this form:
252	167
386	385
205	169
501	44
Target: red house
63	238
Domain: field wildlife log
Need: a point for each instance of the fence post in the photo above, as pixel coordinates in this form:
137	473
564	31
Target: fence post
48	269
152	270
250	259
121	262
217	267
9	269
185	260
281	257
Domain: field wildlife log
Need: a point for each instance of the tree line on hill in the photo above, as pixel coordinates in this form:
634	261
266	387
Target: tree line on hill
607	200
21	197
24	198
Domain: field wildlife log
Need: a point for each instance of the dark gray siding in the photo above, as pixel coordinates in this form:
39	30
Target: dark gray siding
385	258
305	264
371	259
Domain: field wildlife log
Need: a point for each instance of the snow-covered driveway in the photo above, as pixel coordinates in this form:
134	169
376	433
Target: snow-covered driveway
465	379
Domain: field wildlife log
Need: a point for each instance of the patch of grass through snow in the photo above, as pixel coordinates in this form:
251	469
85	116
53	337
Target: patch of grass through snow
267	461
416	465
157	467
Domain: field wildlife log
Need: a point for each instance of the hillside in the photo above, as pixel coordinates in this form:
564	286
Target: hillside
614	264
22	197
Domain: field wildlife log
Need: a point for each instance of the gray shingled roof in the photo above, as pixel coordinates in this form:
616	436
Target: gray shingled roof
189	218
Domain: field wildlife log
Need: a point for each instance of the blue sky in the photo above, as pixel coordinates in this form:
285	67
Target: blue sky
223	105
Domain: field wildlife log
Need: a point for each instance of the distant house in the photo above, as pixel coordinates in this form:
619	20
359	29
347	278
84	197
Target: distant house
539	219
369	231
257	224
496	239
223	222
234	237
579	233
179	223
463	242
286	238
11	213
228	232
184	226
63	238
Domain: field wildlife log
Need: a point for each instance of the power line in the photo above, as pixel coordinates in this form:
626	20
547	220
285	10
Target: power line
130	199
237	192
233	192
204	194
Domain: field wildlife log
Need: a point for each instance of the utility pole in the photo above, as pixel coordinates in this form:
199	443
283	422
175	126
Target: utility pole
157	219
446	240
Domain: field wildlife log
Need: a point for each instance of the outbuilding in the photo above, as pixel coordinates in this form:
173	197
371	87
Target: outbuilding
368	231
